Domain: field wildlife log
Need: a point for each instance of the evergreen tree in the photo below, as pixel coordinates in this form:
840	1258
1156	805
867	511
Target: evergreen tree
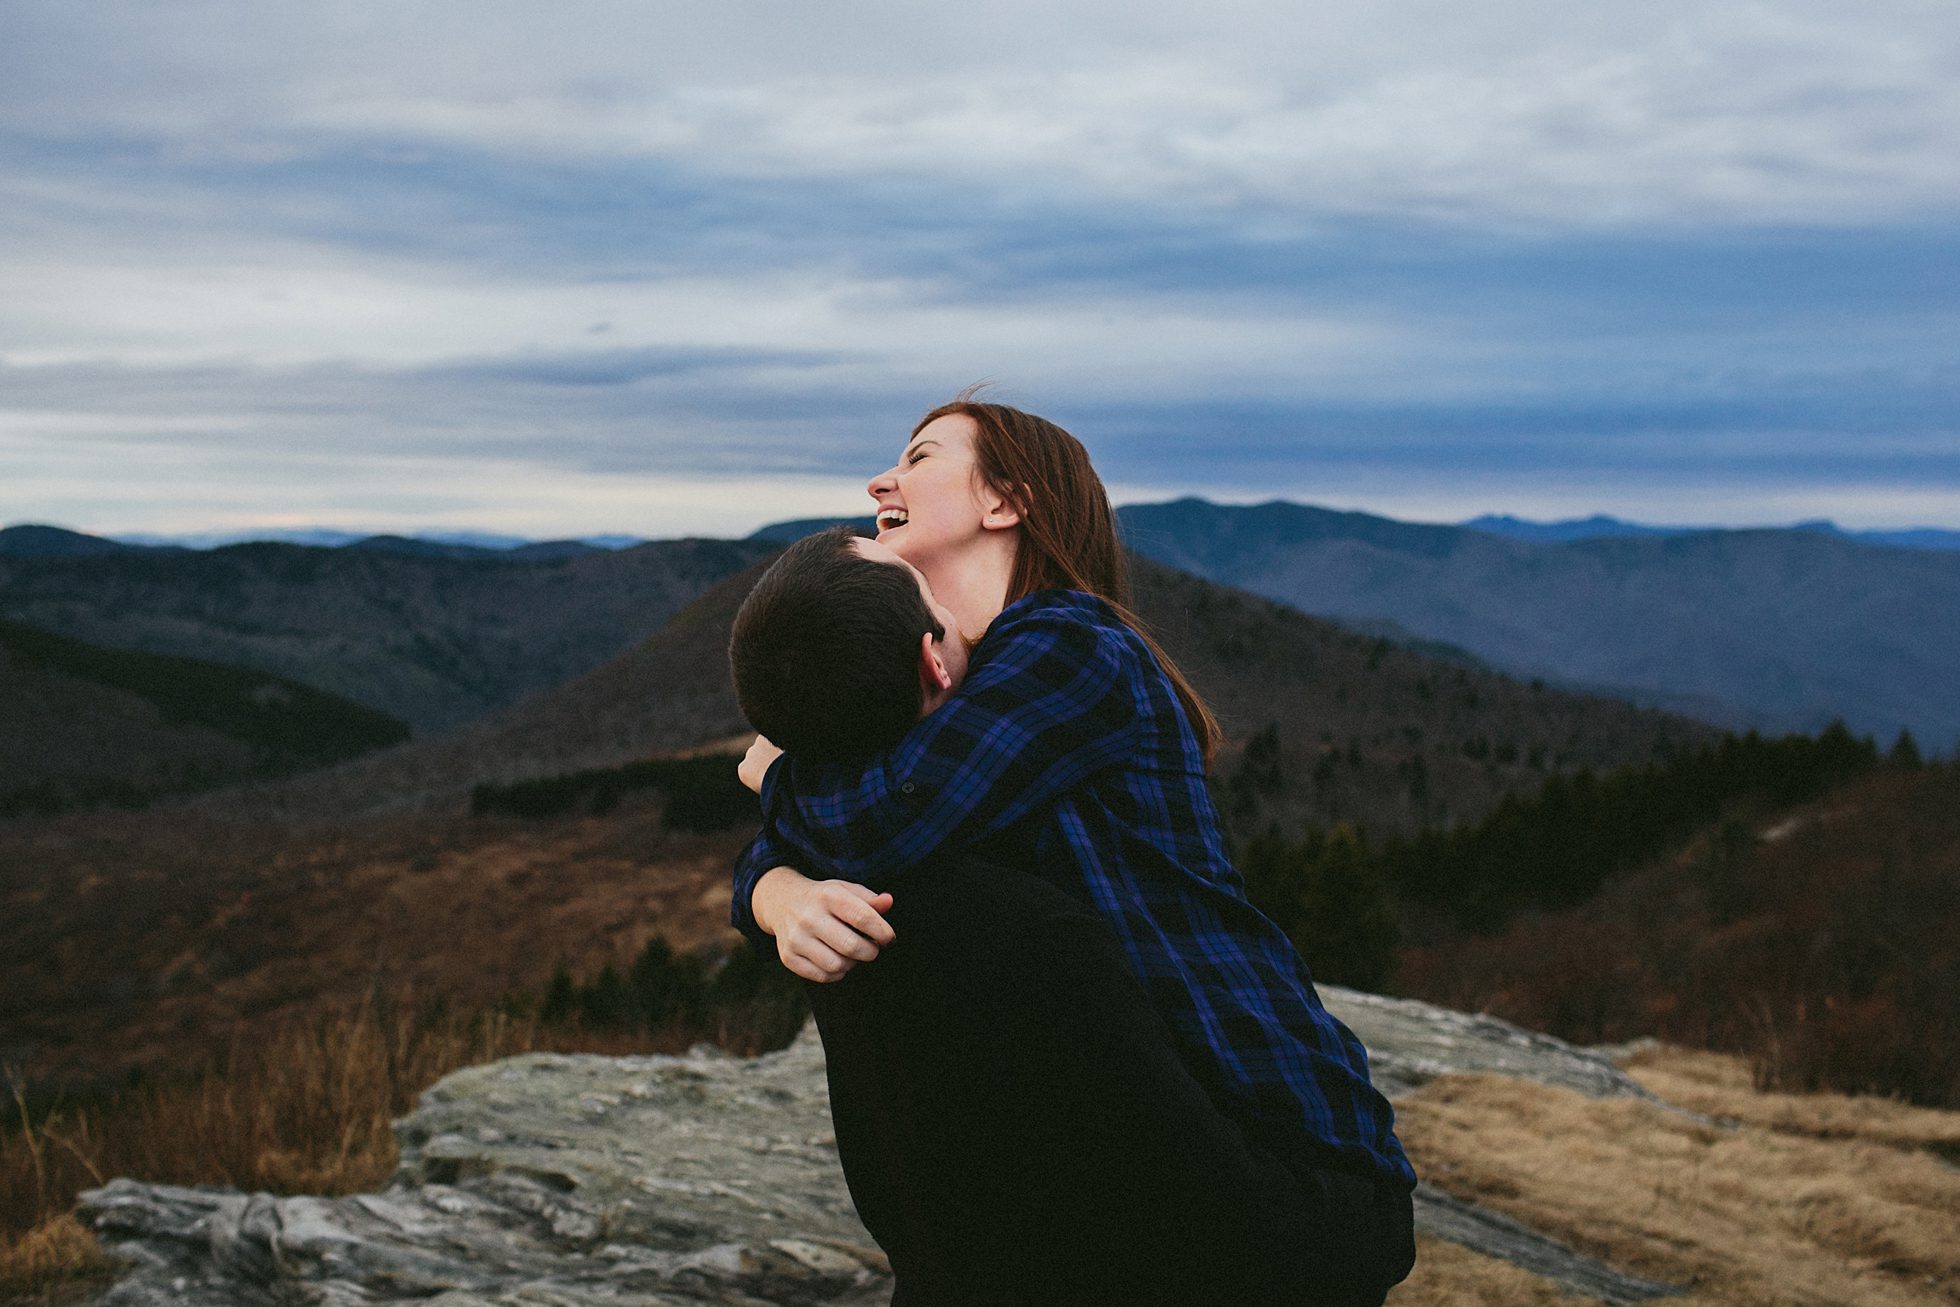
605	1004
560	997
1347	928
667	988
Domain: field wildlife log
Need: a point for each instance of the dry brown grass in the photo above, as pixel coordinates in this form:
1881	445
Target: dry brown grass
146	939
60	1251
304	1111
1757	1213
1721	1085
1450	1275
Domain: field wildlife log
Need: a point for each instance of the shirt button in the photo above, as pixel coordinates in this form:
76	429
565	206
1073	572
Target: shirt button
906	788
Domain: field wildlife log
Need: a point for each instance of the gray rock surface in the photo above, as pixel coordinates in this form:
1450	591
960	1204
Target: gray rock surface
1411	1043
580	1181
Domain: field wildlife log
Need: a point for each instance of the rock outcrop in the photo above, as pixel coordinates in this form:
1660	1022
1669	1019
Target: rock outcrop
575	1180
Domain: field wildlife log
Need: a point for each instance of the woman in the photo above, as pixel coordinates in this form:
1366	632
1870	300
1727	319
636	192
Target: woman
1074	756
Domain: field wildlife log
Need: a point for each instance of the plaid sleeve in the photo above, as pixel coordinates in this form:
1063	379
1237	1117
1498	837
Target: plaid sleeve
763	853
1050	700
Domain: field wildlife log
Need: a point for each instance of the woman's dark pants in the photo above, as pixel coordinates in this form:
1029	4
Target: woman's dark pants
1016	1127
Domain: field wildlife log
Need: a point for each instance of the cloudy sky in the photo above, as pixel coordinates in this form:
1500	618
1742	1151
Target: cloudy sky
584	267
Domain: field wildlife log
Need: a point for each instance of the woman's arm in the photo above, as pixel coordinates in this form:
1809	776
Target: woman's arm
755	763
1052	701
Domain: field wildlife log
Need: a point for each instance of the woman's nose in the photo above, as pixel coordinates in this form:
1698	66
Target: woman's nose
885	480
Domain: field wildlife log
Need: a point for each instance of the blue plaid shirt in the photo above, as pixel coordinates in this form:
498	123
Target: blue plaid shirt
1066	748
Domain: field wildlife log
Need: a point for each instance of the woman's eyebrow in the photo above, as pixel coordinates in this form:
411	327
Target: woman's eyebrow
916	447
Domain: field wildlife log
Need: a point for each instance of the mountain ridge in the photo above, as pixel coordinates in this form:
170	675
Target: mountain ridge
1783	629
427	636
82	725
1559	530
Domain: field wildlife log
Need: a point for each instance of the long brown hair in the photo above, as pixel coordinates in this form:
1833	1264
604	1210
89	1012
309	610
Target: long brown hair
1069	539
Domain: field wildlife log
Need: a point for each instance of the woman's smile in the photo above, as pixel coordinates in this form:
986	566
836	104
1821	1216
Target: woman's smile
931	501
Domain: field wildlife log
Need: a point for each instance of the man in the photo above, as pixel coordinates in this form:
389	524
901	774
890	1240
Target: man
1016	1120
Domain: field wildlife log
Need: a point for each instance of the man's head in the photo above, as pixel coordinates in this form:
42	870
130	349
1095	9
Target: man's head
840	647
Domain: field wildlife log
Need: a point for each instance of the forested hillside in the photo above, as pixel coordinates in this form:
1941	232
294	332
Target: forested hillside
82	725
435	637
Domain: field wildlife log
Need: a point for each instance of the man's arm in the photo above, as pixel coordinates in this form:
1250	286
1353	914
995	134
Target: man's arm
1054	701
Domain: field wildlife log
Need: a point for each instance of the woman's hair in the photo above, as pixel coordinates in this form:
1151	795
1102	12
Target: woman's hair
1069	538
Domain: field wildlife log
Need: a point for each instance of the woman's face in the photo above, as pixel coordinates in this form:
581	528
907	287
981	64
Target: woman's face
932	502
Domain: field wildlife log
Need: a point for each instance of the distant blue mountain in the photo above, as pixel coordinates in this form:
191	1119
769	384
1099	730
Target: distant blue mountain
429	546
20	540
1782	629
1925	537
23	540
1598	526
1574	528
320	536
481	539
784	533
30	540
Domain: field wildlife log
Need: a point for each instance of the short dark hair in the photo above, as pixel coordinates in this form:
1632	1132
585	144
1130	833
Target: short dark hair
825	650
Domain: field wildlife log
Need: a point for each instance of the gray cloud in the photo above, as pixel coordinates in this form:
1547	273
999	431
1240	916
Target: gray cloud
1799	110
546	246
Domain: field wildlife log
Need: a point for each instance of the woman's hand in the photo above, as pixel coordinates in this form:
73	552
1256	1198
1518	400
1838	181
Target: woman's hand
823	928
755	763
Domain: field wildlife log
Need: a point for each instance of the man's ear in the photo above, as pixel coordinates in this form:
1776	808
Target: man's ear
934	679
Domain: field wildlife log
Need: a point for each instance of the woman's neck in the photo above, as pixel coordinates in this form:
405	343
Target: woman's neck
974	586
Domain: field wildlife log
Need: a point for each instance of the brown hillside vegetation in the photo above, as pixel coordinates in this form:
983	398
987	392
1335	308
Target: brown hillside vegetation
132	943
1790	1199
142	936
1823	942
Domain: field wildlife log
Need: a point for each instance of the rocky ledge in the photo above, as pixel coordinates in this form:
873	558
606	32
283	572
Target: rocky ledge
575	1180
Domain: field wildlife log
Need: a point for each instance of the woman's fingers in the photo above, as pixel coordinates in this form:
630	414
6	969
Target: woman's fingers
834	926
854	907
865	913
843	939
812	959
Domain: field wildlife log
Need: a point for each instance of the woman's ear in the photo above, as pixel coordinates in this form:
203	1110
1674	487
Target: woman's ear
1002	511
